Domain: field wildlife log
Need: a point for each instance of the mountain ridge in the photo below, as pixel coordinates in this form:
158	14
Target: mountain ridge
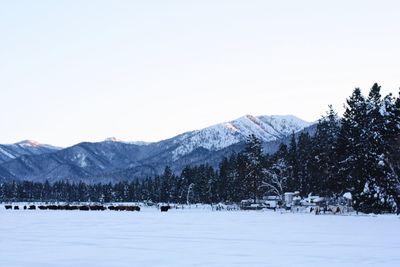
113	160
25	147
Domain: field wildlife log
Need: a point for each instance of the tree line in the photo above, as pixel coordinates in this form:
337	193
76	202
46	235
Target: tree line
358	153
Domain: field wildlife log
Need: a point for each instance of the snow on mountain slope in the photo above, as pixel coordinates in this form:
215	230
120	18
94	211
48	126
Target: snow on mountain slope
112	159
266	128
26	147
139	143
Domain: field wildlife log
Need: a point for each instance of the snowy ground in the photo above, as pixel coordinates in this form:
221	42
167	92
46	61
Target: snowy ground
195	237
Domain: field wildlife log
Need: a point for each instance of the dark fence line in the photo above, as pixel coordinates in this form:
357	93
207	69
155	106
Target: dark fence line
74	207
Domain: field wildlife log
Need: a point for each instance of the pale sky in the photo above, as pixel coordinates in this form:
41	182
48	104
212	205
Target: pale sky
74	71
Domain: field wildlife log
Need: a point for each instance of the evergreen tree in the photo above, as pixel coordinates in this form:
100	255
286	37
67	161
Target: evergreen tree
324	155
254	169
304	147
224	186
293	165
364	153
166	185
351	146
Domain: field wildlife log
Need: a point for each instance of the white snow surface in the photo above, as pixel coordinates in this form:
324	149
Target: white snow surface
348	195
195	237
7	154
266	128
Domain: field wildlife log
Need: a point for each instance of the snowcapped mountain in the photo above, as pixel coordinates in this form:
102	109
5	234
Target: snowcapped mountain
114	160
139	143
26	147
219	136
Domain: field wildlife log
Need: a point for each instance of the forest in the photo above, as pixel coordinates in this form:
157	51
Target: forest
357	153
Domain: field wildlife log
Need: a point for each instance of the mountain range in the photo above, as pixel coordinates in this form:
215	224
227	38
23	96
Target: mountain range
113	160
26	147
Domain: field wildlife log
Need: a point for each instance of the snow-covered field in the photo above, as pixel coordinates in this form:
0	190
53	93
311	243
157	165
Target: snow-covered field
195	237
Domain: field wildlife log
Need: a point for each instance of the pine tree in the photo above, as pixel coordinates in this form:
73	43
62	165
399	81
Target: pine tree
239	174
374	196
166	185
254	168
304	147
364	151
351	146
324	155
189	184
223	184
383	128
293	165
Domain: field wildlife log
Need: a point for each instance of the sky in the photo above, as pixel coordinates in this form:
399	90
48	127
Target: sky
73	71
